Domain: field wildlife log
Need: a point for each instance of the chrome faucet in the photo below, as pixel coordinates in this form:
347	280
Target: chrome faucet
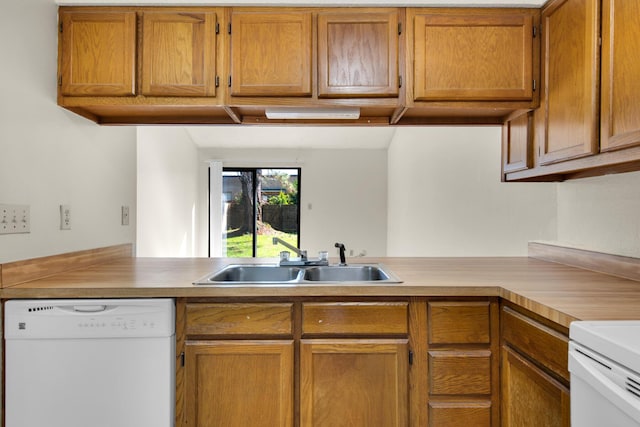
302	254
303	261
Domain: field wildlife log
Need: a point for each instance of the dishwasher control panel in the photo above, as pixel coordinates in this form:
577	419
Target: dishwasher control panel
57	319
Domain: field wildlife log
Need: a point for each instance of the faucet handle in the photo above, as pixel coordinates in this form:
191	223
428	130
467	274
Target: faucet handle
284	256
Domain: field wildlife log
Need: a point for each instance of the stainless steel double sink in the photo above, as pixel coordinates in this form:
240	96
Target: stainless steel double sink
273	274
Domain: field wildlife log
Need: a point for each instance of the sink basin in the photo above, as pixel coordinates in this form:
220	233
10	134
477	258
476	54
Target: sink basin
347	273
271	274
250	273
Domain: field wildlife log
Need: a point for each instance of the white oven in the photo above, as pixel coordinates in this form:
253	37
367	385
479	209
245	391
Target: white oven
604	362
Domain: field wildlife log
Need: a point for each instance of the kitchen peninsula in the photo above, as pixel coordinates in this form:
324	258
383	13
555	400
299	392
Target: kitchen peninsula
459	339
556	291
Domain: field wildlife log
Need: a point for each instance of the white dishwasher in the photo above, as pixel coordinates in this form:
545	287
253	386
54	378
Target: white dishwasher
97	363
604	362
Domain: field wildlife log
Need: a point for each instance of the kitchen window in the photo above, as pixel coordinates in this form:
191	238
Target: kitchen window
257	205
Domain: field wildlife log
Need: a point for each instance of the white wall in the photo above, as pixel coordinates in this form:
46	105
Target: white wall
435	192
446	199
167	193
344	193
49	156
601	214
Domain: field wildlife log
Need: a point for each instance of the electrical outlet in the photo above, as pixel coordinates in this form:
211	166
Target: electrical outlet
125	215
15	219
65	217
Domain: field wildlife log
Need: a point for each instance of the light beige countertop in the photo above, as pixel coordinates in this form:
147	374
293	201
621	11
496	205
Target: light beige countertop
555	291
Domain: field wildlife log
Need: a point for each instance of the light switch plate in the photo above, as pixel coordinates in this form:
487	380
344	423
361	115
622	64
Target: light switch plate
125	215
65	217
15	219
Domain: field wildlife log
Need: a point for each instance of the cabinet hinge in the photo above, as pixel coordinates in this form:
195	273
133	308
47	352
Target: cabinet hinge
217	81
217	28
59	80
410	357
534	85
229	82
229	28
399	81
535	30
399	28
182	359
60	27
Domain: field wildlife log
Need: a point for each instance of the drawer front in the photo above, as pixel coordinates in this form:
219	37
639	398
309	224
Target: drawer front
541	343
456	414
460	372
239	319
459	322
375	318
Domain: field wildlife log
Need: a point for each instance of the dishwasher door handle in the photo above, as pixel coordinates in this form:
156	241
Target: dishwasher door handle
89	308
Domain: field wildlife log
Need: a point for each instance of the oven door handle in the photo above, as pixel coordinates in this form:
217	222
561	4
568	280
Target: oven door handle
610	385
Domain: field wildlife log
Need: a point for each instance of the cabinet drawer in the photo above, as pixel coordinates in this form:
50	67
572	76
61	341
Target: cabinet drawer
460	372
239	319
543	344
459	322
455	414
376	318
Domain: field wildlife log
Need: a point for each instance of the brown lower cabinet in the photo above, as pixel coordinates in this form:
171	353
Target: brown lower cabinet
535	376
462	362
239	383
298	363
353	382
531	397
309	362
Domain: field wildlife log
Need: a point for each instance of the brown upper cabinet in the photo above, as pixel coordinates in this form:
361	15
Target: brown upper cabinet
620	99
179	53
181	65
587	123
567	120
473	55
517	143
141	65
358	54
271	53
319	53
97	53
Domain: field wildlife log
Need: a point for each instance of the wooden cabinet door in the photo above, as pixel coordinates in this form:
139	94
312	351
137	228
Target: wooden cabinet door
97	53
179	54
354	382
517	143
531	398
466	57
271	53
620	97
569	102
358	54
239	383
